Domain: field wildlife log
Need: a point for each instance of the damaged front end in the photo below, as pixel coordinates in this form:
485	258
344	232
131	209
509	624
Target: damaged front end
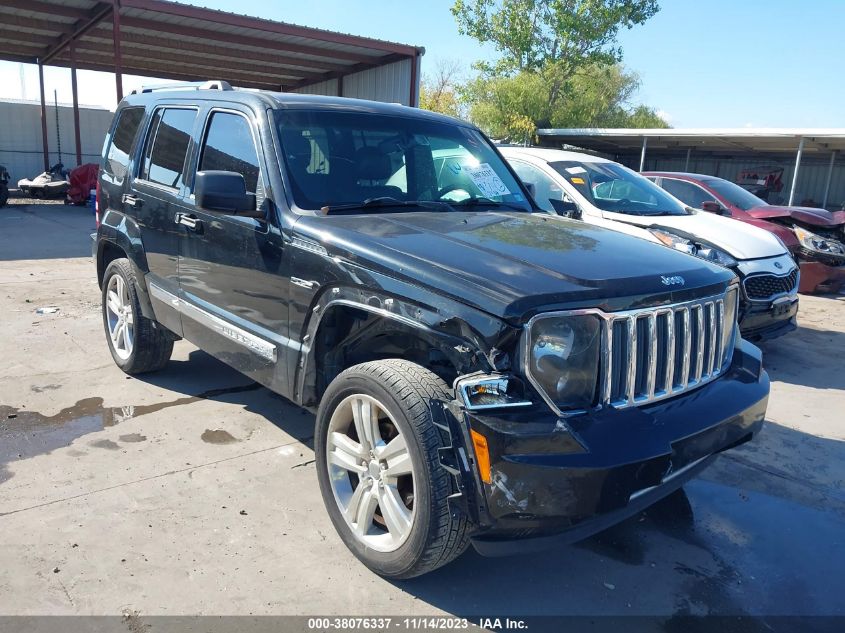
821	258
541	461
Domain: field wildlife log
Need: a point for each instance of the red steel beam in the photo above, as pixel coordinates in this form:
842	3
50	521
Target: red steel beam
186	75
278	28
75	92
230	38
44	145
139	51
47	8
415	60
76	30
182	44
118	66
188	70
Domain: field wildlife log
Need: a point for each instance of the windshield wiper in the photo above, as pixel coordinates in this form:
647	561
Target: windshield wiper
474	202
385	202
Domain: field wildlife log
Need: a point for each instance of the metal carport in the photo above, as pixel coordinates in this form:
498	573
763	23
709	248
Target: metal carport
630	145
164	39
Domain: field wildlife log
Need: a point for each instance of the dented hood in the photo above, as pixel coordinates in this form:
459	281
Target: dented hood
509	264
804	215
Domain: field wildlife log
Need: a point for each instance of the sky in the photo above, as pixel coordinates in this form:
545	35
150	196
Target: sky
719	63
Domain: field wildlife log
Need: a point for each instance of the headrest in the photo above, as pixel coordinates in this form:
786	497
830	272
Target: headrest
296	146
372	164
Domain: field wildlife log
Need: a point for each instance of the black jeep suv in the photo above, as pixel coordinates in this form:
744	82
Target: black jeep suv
481	373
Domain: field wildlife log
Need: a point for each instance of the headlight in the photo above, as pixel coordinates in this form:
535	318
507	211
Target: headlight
563	359
819	244
729	323
699	249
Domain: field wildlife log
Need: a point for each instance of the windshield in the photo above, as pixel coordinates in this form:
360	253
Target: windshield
362	162
612	187
733	193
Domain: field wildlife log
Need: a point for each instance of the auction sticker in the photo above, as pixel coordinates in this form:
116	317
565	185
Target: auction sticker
487	180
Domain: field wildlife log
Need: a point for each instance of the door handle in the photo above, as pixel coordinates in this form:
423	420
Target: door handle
190	221
131	201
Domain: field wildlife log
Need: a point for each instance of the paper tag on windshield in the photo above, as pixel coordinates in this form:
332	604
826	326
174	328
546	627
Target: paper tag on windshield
576	170
487	181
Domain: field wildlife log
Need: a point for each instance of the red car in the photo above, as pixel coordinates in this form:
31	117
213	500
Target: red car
815	237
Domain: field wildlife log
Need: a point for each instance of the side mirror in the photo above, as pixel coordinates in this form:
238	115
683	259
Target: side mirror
223	191
565	208
711	206
532	188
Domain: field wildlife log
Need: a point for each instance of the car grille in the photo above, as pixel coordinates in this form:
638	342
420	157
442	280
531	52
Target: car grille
764	287
656	353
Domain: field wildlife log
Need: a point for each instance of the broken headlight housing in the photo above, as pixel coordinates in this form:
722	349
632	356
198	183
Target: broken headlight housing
698	249
562	358
819	243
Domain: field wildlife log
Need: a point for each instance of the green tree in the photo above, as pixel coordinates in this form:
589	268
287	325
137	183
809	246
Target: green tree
546	49
513	107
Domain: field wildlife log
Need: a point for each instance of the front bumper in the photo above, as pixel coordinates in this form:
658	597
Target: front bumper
761	321
558	481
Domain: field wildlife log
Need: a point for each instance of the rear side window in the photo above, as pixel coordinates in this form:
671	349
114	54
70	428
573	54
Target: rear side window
117	154
167	146
229	147
686	192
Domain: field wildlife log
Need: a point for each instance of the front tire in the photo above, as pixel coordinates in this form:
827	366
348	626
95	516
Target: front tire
137	344
379	469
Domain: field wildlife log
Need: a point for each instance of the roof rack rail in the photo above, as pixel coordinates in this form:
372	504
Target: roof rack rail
216	84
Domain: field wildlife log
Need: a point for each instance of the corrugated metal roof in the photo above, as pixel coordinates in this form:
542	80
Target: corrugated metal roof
206	43
724	140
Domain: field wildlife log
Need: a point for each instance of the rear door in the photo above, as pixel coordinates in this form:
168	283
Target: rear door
233	273
155	192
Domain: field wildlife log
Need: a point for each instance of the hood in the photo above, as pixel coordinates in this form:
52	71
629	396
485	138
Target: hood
509	264
738	239
804	215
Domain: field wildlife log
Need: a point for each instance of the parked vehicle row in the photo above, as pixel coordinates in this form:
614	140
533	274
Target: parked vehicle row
605	193
815	237
482	372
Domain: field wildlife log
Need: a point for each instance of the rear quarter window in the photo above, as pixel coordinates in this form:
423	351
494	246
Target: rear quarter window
120	143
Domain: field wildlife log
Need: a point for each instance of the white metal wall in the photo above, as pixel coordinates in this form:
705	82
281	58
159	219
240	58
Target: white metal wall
20	136
390	83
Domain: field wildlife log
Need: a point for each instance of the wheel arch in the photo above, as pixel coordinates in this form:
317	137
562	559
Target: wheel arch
345	331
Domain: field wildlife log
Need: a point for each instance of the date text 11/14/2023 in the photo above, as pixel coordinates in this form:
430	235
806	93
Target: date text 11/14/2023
416	623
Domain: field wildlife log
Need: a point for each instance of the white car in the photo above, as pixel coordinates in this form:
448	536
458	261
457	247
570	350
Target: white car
605	193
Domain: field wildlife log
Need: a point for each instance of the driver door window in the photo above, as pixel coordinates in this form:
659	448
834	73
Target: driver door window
229	146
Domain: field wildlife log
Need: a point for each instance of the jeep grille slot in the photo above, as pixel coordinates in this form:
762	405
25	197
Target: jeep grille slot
655	353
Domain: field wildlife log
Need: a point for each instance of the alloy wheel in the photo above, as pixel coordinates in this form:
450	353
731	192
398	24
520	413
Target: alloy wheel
119	316
371	473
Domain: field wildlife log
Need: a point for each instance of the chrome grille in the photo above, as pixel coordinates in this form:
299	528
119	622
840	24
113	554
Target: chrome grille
655	353
765	286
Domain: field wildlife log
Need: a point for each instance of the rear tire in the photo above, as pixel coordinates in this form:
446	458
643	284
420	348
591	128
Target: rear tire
137	344
402	395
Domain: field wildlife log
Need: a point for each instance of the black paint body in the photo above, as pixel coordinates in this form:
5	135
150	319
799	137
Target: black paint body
257	293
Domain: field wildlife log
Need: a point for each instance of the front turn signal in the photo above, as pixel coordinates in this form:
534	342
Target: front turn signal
482	456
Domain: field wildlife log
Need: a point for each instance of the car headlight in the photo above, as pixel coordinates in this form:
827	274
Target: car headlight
699	249
563	359
819	244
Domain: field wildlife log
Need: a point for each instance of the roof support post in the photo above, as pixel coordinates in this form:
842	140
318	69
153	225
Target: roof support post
340	86
642	154
75	92
412	97
795	173
686	164
45	147
118	66
829	178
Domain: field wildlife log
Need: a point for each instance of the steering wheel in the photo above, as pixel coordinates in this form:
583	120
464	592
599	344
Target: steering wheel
442	193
